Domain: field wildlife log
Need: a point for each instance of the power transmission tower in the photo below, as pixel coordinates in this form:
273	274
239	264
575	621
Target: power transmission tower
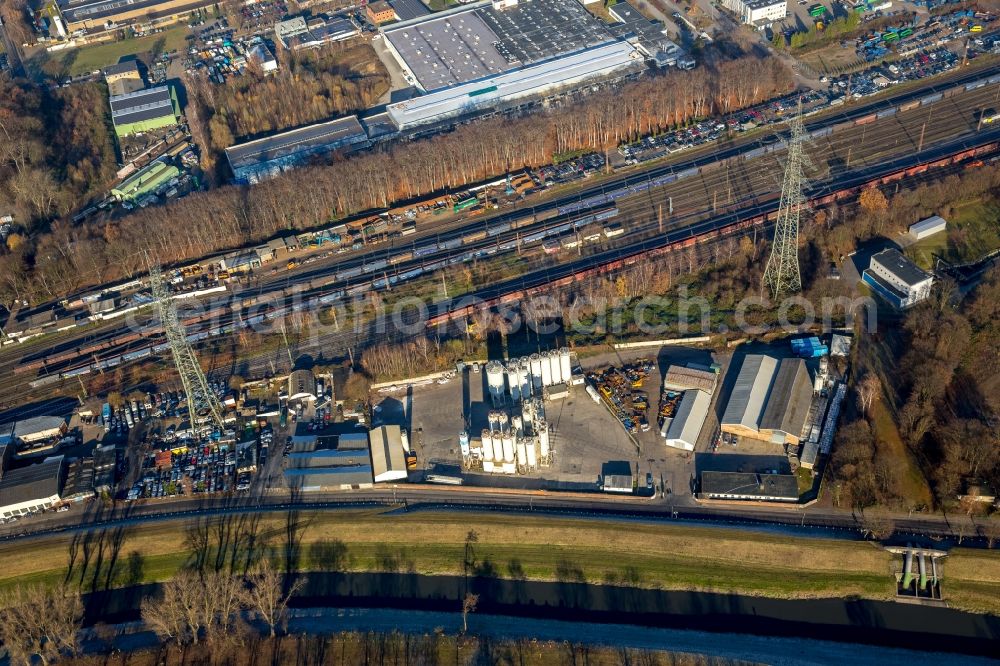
781	274
200	397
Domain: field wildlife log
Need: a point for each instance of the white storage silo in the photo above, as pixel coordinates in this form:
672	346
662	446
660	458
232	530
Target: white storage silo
524	376
513	386
463	443
495	382
488	453
556	368
535	363
502	425
532	457
517	424
527	413
546	372
507	441
488	466
543	440
509	468
565	365
522	451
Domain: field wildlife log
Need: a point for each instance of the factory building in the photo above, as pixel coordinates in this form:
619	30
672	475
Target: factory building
483	55
388	462
38	429
123	78
681	432
258	160
746	402
616	477
315	465
788	404
897	280
144	110
759	13
749	486
770	400
96	14
145	182
298	33
262	55
32	489
649	37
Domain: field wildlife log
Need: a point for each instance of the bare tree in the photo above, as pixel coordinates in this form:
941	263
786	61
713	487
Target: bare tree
877	525
991	530
869	389
40	623
176	615
267	596
469	604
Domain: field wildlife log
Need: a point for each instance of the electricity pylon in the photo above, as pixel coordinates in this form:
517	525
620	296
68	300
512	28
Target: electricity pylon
200	397
782	271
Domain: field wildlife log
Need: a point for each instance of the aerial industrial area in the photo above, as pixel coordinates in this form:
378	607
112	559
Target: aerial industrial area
693	260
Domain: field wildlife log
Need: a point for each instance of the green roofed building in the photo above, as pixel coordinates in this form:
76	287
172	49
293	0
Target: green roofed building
145	181
144	110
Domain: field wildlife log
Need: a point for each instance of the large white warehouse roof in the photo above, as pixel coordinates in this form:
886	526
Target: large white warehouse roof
528	82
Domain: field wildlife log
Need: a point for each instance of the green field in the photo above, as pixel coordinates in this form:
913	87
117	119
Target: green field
698	558
973	230
73	62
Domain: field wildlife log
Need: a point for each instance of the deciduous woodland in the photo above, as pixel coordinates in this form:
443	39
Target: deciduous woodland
101	250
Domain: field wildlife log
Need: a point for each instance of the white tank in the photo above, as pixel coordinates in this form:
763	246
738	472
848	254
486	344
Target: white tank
495	382
535	363
502	425
488	466
522	451
546	372
539	409
532	457
565	365
513	386
543	440
527	413
555	368
517	424
463	443
494	419
488	453
592	392
509	468
508	448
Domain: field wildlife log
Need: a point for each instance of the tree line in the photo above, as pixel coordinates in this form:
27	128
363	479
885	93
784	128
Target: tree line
105	250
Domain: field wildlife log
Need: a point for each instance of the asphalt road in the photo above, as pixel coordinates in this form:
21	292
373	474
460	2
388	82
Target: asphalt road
939	530
13	53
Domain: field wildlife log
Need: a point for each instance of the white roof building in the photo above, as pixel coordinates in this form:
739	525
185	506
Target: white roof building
929	227
388	461
897	280
687	423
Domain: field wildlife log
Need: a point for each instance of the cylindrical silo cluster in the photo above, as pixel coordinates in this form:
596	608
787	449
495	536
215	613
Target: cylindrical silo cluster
535	365
516	442
565	365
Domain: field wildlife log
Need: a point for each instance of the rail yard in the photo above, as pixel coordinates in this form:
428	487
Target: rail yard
730	184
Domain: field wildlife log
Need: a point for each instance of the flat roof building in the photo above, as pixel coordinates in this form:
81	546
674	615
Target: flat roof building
298	33
758	12
749	486
516	85
746	402
144	110
482	39
616	477
315	466
681	378
388	461
686	425
91	14
409	9
32	489
381	11
897	280
260	159
39	428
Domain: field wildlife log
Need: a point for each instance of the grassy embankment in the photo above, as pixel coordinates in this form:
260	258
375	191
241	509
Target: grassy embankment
650	556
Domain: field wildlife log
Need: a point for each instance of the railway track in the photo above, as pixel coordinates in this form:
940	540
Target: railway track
735	183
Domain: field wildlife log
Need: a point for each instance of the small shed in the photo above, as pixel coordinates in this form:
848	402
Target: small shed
928	227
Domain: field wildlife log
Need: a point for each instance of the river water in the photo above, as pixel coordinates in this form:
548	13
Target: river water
568	610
